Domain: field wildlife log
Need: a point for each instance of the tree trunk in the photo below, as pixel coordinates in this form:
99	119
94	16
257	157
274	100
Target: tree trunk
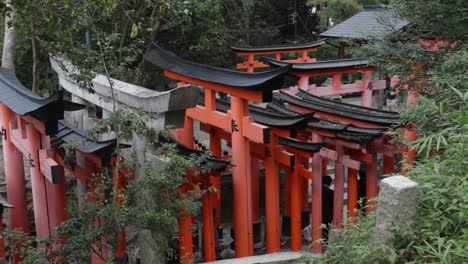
155	25
9	39
35	74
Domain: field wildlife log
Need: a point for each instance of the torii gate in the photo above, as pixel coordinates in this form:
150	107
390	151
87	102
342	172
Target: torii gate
251	52
371	122
170	105
287	153
27	123
31	128
335	68
242	87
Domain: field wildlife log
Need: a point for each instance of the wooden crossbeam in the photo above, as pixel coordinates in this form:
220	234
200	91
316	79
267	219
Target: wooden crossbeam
254	131
48	166
214	118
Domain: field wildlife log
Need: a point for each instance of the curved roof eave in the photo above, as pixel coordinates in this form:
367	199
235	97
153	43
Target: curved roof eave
279	47
267	80
319	65
20	99
69	134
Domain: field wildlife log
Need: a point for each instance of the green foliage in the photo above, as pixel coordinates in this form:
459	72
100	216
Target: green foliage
157	200
333	12
433	18
355	245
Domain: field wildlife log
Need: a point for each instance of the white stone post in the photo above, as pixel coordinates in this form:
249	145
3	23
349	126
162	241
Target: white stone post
396	205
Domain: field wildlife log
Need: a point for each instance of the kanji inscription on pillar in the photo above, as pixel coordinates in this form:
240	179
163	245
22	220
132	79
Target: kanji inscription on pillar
234	126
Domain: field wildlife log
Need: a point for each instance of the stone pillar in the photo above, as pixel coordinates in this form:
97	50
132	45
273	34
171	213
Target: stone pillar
396	205
77	118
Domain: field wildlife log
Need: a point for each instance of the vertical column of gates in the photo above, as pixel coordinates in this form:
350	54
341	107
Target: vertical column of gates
371	180
316	197
185	221
352	193
272	200
296	205
14	176
55	196
242	188
38	184
208	198
255	177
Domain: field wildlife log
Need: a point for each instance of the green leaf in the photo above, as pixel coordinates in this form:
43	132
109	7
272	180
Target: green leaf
134	32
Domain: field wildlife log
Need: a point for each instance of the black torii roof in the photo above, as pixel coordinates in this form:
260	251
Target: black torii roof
300	145
75	137
369	115
279	47
320	65
261	81
346	106
365	24
348	132
24	102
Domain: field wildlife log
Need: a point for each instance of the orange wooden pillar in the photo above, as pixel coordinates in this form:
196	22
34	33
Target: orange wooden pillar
38	184
250	62
408	155
185	221
99	253
304	195
352	193
209	247
242	189
60	198
296	206
336	81
371	180
255	174
303	82
339	190
316	198
287	192
14	176
324	167
57	198
286	219
211	209
215	148
388	165
55	195
185	235
119	185
272	202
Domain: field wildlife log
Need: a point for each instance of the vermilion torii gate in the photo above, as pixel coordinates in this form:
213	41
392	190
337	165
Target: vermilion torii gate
342	143
287	153
242	87
251	52
336	69
217	124
32	128
27	122
366	118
